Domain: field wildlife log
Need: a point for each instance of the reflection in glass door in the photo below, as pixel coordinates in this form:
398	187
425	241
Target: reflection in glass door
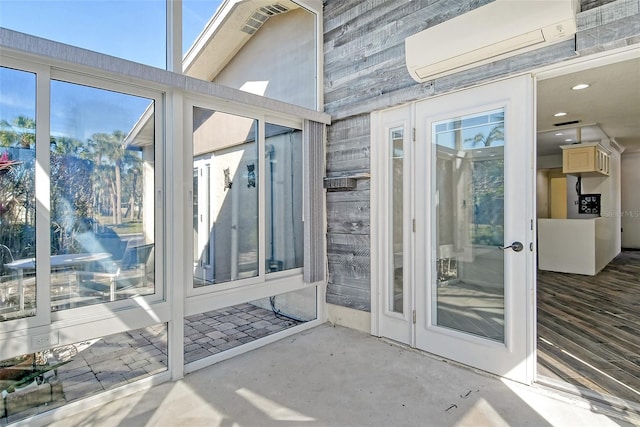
202	260
283	198
468	208
396	297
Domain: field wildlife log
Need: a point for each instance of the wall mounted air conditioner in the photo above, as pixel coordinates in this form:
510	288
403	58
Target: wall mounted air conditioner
494	31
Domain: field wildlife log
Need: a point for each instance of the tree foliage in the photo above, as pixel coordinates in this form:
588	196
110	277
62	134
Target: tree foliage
19	133
88	180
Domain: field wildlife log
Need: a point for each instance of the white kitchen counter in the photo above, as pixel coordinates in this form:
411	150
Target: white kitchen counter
573	245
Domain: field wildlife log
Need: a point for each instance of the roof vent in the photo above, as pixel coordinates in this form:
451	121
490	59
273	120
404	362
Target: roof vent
260	16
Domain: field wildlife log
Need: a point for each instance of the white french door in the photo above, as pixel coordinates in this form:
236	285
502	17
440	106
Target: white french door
392	244
465	275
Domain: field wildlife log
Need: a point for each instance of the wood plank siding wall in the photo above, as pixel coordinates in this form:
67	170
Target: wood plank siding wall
364	71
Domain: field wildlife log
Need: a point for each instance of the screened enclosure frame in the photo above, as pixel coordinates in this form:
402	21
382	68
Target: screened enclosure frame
173	179
46	321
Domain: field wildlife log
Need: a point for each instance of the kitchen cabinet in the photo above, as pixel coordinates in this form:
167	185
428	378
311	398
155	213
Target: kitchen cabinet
588	158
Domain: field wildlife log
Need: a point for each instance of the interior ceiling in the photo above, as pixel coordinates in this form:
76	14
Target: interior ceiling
610	107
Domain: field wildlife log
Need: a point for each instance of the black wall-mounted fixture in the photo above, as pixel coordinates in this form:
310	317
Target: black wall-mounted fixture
589	204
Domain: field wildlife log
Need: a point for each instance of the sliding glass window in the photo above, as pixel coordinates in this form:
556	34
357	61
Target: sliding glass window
225	192
283	178
230	223
101	200
99	209
17	192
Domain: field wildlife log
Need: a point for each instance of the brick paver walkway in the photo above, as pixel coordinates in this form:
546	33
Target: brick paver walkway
106	363
215	331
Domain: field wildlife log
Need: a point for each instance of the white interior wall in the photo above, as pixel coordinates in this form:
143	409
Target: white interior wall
630	200
551	161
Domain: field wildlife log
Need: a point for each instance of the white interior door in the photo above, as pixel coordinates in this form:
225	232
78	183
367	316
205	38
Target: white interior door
474	233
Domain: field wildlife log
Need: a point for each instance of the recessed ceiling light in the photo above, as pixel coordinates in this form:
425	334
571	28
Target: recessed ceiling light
559	134
560	114
580	86
568	140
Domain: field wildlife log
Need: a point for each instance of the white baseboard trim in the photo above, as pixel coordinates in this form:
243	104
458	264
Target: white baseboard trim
349	318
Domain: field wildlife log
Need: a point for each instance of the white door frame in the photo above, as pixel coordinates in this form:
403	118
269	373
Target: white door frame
524	337
377	199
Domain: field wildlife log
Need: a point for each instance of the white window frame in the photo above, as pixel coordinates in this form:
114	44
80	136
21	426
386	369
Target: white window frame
82	322
219	295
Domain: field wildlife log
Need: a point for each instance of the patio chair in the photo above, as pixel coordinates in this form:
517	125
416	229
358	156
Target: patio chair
447	263
5	257
128	274
17	291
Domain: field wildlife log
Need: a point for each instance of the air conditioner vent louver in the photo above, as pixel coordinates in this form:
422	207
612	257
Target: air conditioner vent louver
260	16
488	33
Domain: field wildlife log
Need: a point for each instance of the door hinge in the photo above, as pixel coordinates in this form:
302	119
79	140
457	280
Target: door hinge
413	225
414	317
414	134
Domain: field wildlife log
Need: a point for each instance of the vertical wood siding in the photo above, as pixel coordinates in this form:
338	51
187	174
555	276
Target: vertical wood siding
364	72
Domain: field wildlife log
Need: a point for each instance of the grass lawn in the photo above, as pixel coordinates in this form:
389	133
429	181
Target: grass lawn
127	226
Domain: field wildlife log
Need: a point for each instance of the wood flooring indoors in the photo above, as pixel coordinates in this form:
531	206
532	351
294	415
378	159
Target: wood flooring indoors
589	328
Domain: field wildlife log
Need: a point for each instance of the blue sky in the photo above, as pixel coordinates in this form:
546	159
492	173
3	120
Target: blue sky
131	29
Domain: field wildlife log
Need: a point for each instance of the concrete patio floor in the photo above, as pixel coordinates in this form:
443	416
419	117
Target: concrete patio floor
333	376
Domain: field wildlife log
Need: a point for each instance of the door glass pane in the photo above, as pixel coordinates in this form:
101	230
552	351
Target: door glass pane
17	192
468	207
102	196
226	187
283	180
396	292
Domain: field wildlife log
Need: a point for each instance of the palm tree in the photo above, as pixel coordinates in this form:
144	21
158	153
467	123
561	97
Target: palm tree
495	134
68	147
20	132
17	185
71	192
109	149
